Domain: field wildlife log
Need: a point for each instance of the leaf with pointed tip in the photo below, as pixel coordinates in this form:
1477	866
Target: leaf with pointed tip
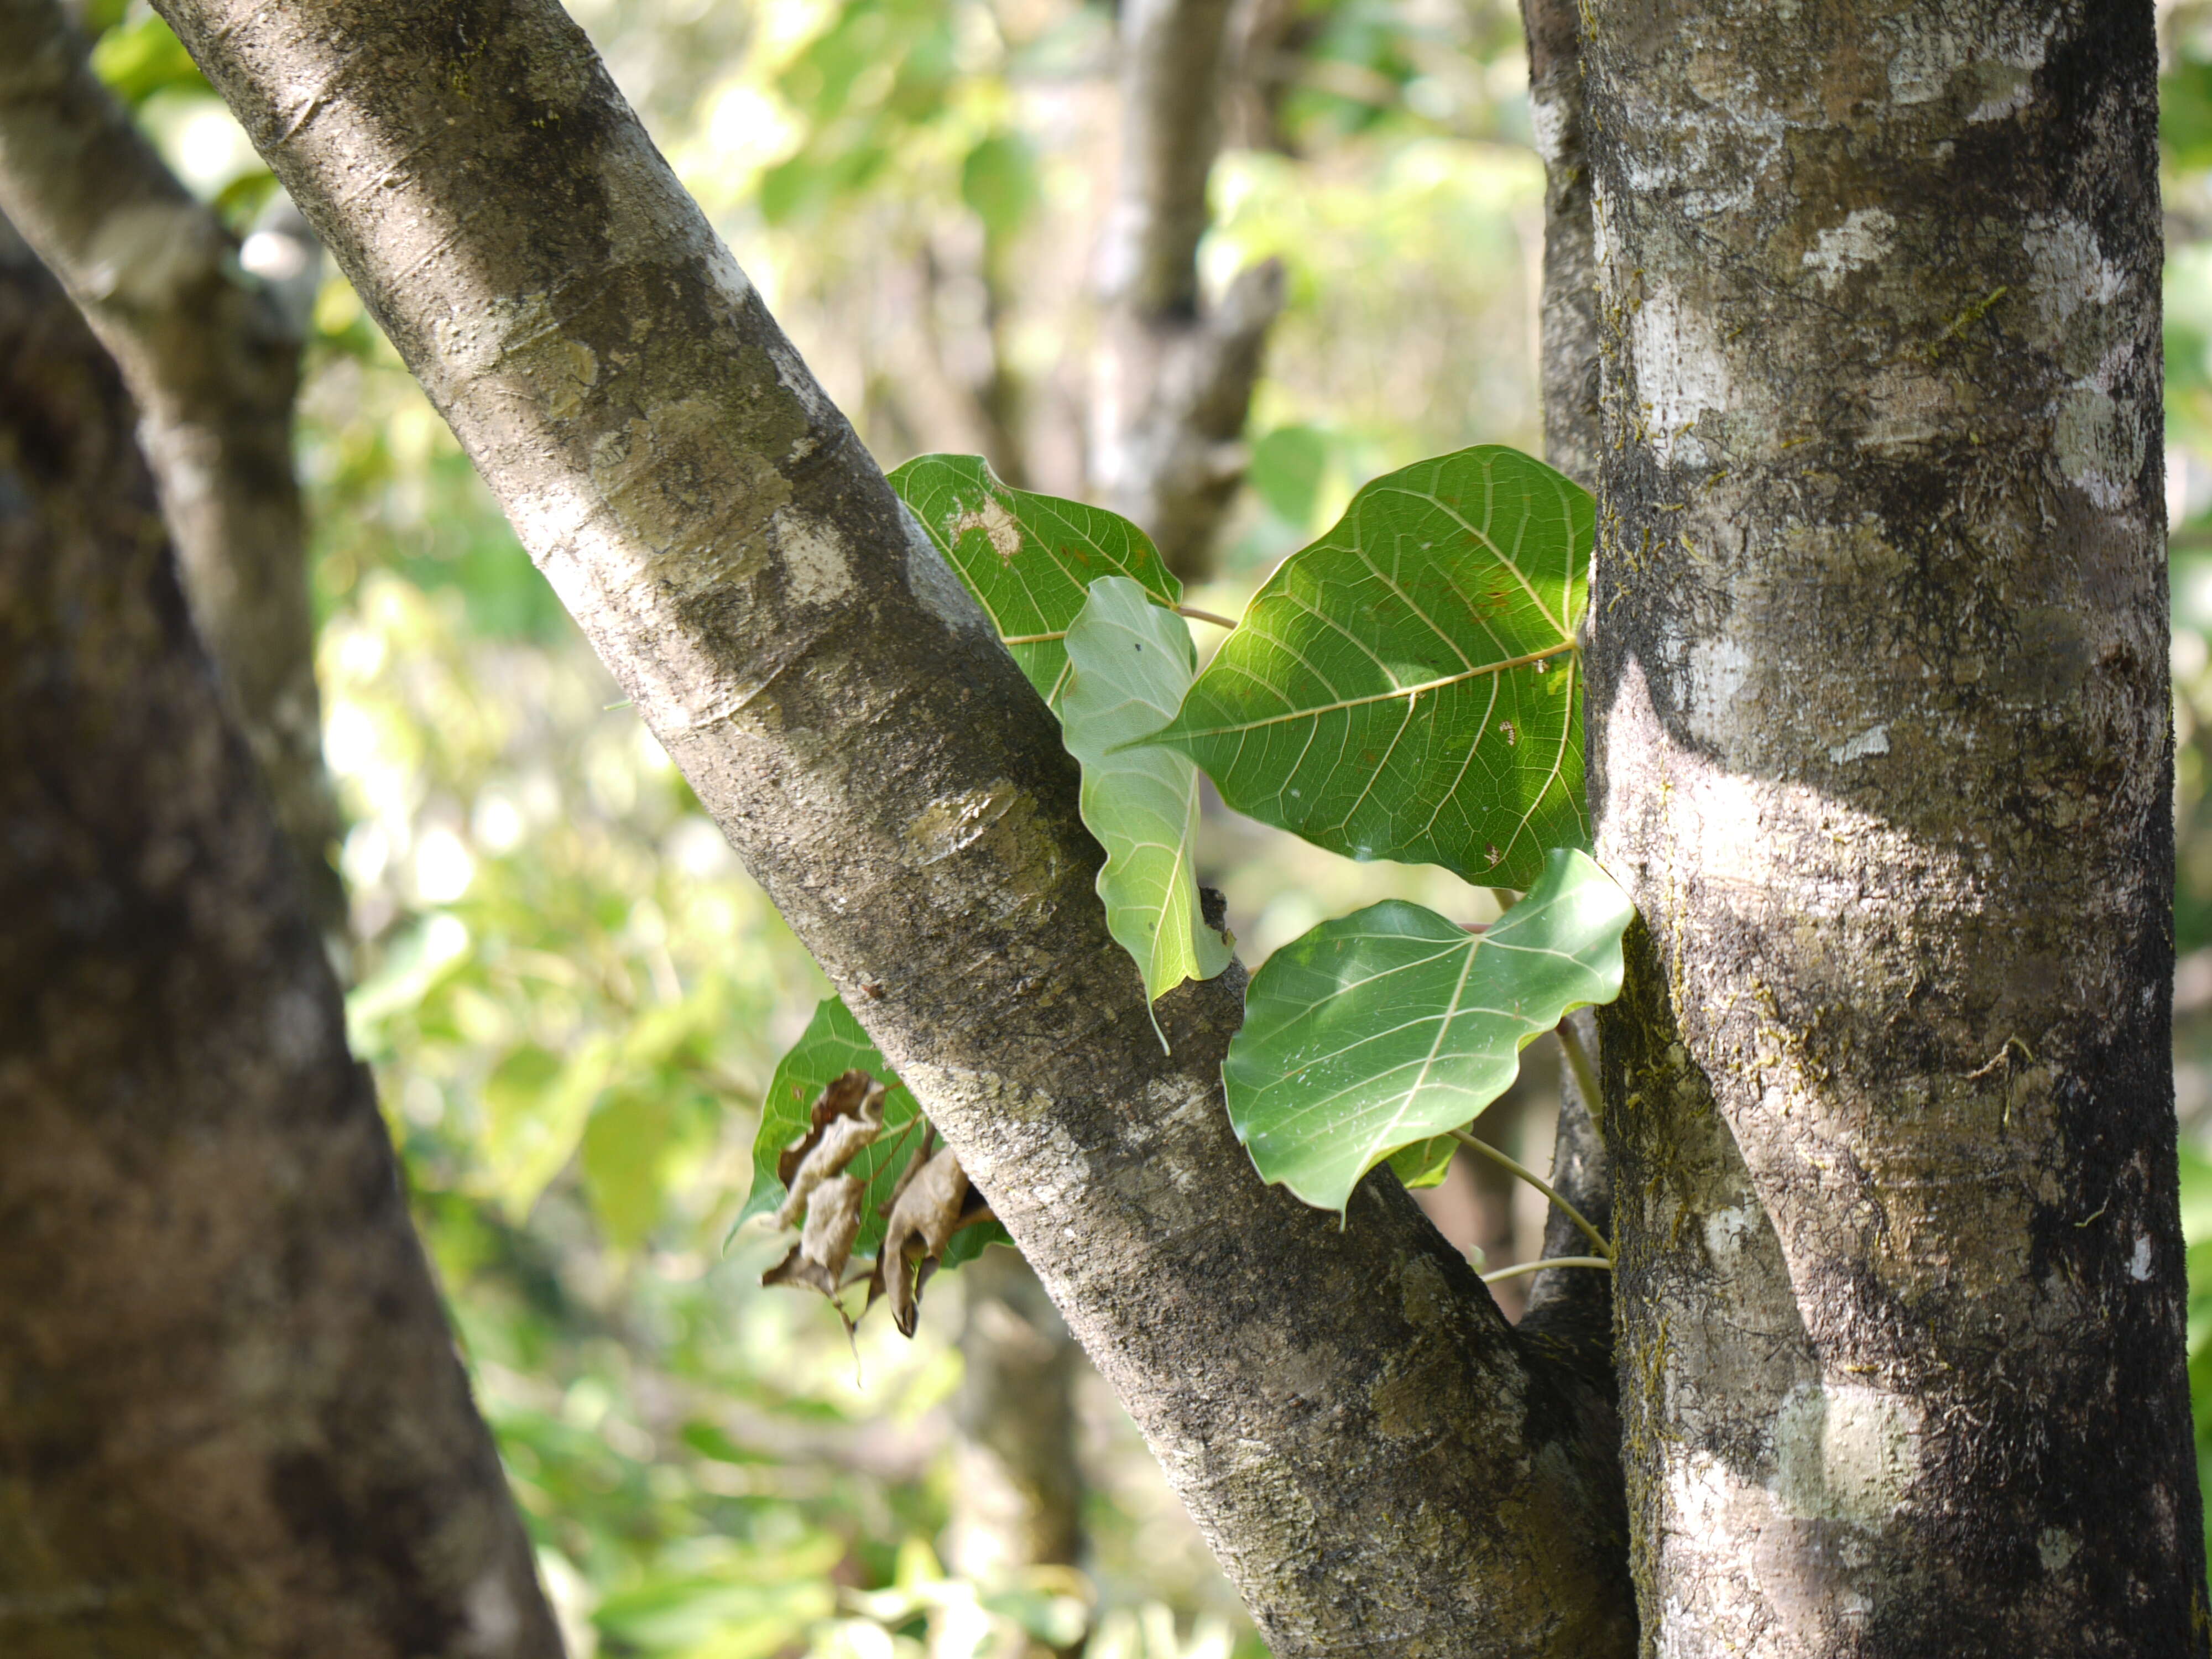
1406	687
1392	1025
1027	558
1130	661
832	1044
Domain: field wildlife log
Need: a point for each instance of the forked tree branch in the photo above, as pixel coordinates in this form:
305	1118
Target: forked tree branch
211	355
1381	1465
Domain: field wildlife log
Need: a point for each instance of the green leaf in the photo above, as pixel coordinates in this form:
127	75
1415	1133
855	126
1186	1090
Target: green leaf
1392	1025
998	182
1028	559
1406	687
832	1044
1425	1162
1130	661
536	1105
624	1156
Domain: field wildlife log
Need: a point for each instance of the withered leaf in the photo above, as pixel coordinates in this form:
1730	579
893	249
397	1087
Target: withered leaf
849	1116
844	1095
924	1217
833	1221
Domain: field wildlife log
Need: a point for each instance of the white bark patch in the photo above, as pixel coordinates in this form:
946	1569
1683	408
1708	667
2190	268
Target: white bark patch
2057	1547
2139	1263
816	570
2099	445
1844	1452
2070	270
1680	373
1718	668
1861	239
1875	740
1933	56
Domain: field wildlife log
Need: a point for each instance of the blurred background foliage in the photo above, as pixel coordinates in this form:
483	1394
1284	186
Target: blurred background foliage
572	993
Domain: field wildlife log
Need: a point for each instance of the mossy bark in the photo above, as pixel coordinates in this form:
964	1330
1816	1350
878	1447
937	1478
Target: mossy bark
232	1421
1881	751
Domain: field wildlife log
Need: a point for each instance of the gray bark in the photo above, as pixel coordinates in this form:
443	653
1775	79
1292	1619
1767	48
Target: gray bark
211	355
1173	376
1882	751
232	1421
1380	1463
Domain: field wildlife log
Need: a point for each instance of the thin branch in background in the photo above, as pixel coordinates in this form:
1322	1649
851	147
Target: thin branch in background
1174	375
210	352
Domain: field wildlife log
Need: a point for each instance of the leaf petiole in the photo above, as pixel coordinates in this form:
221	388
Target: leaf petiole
1514	1166
1522	1269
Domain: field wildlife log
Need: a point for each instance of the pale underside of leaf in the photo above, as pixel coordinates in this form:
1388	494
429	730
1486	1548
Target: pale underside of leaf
1386	1027
1406	687
832	1044
1028	559
1131	661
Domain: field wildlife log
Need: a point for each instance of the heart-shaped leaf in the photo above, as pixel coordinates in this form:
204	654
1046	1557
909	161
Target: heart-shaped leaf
1389	1026
832	1044
1406	687
1130	662
1027	558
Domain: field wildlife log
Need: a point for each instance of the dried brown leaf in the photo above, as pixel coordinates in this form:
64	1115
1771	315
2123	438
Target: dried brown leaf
849	1116
923	1219
833	1222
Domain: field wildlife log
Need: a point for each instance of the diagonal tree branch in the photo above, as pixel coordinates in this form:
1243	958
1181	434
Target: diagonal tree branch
1174	377
231	1417
1377	1461
211	355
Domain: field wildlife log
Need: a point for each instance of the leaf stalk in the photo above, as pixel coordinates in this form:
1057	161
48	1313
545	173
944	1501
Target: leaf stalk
1514	1166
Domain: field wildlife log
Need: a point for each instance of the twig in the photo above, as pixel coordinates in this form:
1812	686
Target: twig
1578	1063
1515	1167
1196	614
1522	1269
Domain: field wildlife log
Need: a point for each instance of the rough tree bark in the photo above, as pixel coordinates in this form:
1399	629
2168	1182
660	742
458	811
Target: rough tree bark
1382	1465
1879	692
1174	377
231	1417
212	358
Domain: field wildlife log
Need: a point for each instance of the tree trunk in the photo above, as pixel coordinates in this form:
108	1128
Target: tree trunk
231	1417
1174	377
212	356
1383	1466
1881	748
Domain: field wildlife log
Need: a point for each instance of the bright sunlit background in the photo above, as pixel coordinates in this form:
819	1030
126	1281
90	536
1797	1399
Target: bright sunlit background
572	993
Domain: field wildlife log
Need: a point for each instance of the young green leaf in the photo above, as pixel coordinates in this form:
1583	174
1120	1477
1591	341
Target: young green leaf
1406	687
832	1044
1389	1026
1130	662
1028	559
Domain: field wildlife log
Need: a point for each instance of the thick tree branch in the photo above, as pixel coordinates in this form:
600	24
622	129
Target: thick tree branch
1377	1462
1174	377
231	1417
212	358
